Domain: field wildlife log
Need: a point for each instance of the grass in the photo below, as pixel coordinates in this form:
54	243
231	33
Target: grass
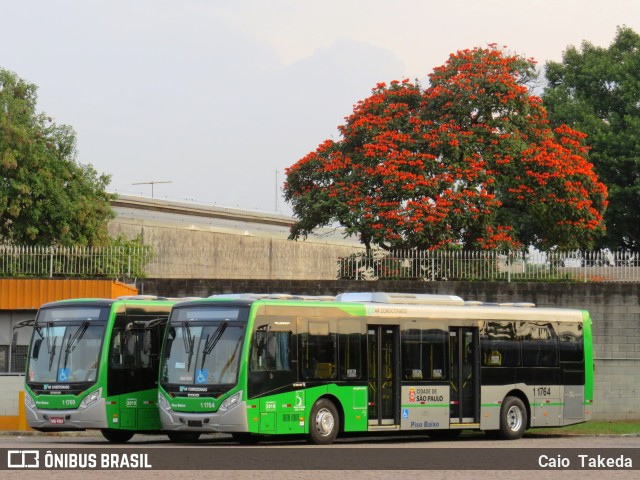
592	428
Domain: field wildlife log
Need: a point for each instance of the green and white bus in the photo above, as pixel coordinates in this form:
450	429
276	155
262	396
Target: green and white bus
93	364
255	366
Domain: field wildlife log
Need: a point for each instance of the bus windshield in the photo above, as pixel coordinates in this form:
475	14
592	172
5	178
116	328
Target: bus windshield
66	345
203	346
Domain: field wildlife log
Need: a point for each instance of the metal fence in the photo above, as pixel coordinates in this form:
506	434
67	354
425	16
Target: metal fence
138	261
110	262
600	266
13	358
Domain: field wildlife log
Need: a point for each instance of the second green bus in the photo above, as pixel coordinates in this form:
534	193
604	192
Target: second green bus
255	366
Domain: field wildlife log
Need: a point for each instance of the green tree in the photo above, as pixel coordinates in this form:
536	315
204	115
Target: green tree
469	161
597	91
46	197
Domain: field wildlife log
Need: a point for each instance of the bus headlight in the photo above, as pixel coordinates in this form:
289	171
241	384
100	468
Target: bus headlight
29	401
164	405
230	402
92	398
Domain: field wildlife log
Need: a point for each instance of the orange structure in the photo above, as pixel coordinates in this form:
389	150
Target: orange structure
29	294
21	298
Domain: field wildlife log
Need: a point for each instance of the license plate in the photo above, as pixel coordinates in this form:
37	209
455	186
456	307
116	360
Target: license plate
57	420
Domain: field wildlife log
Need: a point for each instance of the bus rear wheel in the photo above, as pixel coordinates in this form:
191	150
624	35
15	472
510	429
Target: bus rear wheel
324	422
183	437
513	419
117	436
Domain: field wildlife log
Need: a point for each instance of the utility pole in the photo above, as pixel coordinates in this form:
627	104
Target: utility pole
152	183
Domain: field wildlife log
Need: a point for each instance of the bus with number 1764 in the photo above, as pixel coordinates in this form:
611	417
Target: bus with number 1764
256	366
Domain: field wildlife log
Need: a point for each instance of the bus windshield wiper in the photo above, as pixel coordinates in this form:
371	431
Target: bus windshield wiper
188	343
212	341
52	353
74	340
47	334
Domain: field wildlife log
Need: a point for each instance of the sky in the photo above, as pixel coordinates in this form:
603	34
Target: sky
219	97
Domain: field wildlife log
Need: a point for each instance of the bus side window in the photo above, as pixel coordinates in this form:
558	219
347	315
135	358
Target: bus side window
571	343
352	349
134	349
500	344
259	357
423	353
540	348
115	353
131	347
270	351
273	355
319	351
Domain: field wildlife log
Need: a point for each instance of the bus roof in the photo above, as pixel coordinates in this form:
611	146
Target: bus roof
404	305
146	299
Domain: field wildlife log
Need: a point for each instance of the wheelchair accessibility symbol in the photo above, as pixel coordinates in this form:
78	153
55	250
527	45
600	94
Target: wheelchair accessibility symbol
405	413
63	374
201	376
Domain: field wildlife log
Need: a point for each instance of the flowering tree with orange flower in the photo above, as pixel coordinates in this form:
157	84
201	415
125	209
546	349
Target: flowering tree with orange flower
469	161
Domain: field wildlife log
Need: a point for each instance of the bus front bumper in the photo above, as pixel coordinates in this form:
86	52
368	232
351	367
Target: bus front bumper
49	420
231	421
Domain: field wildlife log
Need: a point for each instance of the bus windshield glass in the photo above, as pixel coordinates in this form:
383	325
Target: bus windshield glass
203	346
66	345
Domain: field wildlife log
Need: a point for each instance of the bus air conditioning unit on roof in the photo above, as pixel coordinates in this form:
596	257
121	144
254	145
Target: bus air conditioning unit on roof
406	298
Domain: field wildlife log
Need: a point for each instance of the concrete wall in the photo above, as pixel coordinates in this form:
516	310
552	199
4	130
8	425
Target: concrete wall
11	403
199	252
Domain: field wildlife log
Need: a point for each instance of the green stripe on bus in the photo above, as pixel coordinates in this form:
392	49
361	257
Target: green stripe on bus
588	356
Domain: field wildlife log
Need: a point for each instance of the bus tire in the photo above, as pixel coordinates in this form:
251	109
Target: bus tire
117	436
324	423
183	437
513	419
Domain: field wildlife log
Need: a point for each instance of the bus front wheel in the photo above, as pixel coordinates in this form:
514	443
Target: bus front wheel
117	436
513	418
324	422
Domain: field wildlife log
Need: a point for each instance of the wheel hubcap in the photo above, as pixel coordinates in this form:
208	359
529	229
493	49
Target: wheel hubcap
514	418
324	422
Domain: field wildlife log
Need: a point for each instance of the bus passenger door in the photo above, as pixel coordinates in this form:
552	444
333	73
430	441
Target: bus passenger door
465	375
384	375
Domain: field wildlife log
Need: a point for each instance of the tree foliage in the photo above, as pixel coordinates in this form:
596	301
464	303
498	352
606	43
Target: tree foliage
469	161
597	90
46	197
